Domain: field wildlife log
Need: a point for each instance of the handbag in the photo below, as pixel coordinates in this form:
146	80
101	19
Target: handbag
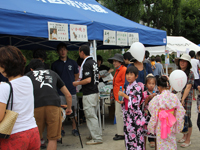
9	119
186	125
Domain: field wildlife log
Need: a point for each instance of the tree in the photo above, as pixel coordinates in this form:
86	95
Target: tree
130	9
190	24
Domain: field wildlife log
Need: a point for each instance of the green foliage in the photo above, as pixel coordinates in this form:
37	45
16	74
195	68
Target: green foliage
131	9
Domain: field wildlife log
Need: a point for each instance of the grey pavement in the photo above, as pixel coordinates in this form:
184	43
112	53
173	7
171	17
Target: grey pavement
71	142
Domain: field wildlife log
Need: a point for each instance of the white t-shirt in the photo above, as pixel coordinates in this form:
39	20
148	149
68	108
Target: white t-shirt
194	68
54	35
23	102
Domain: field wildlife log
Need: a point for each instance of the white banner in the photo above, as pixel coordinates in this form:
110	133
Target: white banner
121	38
78	33
132	38
109	37
58	31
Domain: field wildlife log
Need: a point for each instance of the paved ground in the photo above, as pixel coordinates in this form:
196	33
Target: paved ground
72	143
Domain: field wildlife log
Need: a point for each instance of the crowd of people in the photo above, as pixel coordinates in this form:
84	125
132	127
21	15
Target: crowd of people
148	109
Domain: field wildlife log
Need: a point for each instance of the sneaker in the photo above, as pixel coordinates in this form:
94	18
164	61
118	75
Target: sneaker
194	99
63	133
75	132
92	142
43	145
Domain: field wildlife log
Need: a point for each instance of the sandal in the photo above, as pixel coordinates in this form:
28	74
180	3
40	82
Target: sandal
152	145
186	145
181	140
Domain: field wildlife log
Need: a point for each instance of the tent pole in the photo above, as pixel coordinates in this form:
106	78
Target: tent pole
95	50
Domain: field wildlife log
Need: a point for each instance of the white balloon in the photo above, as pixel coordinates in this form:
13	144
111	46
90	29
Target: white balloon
178	80
137	50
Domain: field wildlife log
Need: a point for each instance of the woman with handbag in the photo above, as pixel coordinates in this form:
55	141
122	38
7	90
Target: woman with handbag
25	134
184	63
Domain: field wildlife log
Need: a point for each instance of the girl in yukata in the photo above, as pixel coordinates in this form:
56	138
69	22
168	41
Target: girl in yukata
150	84
167	115
133	116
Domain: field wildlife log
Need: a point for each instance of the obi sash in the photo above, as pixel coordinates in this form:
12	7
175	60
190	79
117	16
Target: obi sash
167	121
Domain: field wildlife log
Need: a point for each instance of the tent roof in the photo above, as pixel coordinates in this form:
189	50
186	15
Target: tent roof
174	44
27	19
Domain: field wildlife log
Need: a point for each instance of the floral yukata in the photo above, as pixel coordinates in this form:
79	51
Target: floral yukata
166	101
133	118
147	114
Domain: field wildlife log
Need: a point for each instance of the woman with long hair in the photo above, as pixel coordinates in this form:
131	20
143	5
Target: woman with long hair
184	64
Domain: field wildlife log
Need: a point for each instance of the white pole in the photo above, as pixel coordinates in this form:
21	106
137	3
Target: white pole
122	51
95	50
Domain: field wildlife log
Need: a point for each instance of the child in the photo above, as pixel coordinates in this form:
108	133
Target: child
167	115
147	96
133	117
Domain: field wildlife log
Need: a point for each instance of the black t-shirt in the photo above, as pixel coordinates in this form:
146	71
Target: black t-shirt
90	69
103	67
45	84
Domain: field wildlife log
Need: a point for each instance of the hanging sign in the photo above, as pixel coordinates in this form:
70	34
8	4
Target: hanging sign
58	31
121	38
78	33
109	37
132	38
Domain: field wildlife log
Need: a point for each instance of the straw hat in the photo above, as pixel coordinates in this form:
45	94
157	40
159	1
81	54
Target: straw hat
118	57
184	57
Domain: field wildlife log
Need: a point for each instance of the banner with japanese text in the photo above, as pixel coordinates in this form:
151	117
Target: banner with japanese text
132	38
109	37
58	31
122	38
78	33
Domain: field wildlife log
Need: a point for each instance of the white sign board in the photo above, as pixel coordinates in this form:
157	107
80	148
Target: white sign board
132	38
109	37
78	33
58	31
121	38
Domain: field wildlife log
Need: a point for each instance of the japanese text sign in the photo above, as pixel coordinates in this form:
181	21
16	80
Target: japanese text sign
78	33
132	38
121	38
58	31
109	37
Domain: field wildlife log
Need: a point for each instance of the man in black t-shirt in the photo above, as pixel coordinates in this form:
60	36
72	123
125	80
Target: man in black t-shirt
89	75
47	101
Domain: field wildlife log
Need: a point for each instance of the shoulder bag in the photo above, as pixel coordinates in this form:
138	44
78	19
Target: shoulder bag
7	124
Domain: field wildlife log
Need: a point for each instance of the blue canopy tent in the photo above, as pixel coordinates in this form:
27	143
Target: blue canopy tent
24	23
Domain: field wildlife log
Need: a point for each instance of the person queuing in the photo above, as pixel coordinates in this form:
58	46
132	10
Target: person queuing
158	71
133	117
38	54
184	64
25	134
47	110
103	67
195	68
68	71
167	115
127	59
89	76
118	80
